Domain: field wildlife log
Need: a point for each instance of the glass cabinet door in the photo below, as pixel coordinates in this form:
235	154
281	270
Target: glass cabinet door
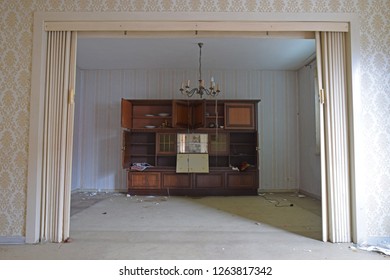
166	143
218	144
192	143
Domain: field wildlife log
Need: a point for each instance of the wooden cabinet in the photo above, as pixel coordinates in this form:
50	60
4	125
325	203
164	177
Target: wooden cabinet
182	114
219	149
166	143
138	147
166	149
187	114
126	114
146	114
240	115
218	143
172	180
213	180
243	148
214	115
143	180
150	131
241	180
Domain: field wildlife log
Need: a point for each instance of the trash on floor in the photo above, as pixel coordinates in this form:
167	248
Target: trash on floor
155	199
68	240
276	202
298	195
384	249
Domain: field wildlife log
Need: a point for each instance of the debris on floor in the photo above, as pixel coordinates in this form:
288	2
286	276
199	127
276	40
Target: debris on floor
303	250
276	202
384	249
68	240
155	199
152	199
298	195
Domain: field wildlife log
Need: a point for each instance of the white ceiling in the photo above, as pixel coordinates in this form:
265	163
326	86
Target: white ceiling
183	53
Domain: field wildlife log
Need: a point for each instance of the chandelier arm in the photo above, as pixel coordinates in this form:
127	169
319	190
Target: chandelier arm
192	92
205	90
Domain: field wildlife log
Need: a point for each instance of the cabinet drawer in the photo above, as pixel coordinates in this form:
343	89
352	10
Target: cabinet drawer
147	180
211	180
242	180
174	181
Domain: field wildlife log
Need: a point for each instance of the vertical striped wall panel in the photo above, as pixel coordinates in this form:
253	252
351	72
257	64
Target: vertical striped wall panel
97	152
310	160
278	128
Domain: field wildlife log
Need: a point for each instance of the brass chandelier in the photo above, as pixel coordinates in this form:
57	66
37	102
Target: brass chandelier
213	90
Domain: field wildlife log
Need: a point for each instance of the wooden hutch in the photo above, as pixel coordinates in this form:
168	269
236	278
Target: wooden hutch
150	129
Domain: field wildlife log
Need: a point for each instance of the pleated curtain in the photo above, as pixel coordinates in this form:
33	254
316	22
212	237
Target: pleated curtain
58	135
332	79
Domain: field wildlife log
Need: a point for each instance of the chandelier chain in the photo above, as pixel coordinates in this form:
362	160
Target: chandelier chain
201	89
200	61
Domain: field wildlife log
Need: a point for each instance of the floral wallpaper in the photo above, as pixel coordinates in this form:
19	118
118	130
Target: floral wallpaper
16	23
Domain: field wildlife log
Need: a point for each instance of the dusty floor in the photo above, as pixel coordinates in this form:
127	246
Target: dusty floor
269	226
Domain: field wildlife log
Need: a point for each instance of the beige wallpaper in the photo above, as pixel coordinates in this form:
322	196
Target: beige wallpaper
16	18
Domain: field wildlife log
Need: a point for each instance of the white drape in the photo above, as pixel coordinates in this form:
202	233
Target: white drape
331	58
58	135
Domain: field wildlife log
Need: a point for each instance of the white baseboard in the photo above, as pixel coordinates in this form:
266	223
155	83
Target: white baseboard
100	190
12	240
318	197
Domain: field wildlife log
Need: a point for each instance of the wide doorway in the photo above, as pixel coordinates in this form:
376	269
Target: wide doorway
33	209
279	71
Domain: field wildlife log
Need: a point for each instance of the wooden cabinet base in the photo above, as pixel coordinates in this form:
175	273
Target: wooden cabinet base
193	192
215	183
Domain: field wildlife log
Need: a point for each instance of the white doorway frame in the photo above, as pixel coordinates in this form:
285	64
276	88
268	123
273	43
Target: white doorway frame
214	22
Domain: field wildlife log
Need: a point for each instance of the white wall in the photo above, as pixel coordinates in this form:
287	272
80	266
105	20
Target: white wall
310	161
97	137
97	142
278	131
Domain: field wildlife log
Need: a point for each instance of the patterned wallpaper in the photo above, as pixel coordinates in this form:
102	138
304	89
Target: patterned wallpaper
15	65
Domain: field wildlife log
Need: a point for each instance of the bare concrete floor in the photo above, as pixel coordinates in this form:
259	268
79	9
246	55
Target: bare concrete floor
114	226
